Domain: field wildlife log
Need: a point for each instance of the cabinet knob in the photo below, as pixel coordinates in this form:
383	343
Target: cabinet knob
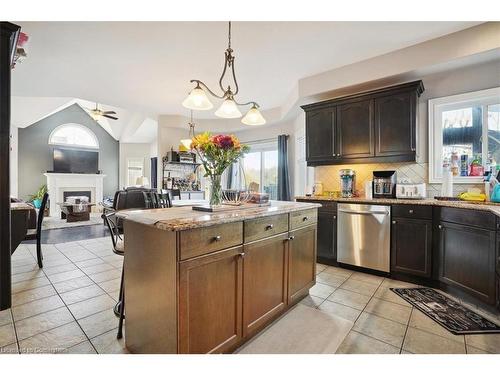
291	238
269	226
217	238
334	217
394	221
440	226
410	211
305	218
242	255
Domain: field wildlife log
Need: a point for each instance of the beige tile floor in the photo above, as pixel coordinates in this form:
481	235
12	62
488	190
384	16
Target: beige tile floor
384	322
67	307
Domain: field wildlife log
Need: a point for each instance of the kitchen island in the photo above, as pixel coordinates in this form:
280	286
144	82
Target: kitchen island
198	282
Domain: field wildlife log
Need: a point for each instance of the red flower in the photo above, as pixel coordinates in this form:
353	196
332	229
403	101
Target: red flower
223	141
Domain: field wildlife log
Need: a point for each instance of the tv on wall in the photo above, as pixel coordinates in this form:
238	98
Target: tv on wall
76	161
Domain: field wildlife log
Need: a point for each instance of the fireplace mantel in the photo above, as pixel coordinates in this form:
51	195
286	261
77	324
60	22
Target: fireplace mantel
58	183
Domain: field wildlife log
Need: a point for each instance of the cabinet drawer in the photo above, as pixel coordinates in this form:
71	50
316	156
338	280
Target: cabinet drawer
468	217
263	227
201	241
411	211
302	218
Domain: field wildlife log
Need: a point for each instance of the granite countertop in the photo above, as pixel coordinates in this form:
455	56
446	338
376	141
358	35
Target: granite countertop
21	206
485	206
182	218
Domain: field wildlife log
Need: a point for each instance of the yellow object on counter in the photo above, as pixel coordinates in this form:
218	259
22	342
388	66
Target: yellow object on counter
472	197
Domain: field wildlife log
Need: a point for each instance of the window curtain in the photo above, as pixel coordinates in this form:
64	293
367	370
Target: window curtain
154	173
283	176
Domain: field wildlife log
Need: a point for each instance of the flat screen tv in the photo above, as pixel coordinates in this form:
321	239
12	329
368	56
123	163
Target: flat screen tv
75	161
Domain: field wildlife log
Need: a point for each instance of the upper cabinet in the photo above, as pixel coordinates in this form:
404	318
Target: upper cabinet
375	126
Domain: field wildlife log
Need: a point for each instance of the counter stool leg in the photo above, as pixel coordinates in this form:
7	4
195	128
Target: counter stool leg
122	311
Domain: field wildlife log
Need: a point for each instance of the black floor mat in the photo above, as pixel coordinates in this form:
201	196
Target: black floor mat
456	318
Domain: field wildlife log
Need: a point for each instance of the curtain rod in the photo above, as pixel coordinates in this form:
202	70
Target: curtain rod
274	139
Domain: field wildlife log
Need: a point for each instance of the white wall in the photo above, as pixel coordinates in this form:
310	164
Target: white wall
13	161
134	150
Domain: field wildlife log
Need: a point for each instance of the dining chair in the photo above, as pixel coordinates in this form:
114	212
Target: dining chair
163	200
119	249
36	234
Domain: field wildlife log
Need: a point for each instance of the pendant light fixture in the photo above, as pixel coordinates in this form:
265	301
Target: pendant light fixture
198	99
187	142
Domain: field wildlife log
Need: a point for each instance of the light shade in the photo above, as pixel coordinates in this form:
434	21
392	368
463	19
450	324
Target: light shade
228	109
253	117
142	181
198	100
186	143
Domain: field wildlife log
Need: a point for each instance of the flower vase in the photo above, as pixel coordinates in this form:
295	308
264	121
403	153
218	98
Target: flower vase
215	190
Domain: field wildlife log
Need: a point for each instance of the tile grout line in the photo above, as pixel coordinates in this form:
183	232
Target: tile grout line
406	331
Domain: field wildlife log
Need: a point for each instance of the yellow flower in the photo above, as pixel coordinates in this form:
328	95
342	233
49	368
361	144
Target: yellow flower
236	141
201	141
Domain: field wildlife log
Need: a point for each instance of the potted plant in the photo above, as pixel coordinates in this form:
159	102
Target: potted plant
38	196
217	152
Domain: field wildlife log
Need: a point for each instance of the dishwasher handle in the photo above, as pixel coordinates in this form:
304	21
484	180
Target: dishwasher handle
365	212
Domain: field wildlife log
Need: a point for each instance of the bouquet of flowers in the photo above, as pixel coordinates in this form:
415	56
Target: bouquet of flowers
217	152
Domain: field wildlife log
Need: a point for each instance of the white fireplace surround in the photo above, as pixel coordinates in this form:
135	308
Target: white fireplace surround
58	183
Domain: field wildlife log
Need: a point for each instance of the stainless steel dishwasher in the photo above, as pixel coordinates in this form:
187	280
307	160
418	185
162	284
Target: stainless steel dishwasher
363	235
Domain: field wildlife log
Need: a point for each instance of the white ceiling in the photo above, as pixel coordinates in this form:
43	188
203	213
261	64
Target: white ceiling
145	67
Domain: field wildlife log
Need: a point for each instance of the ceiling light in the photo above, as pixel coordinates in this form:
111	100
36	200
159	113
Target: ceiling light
253	117
228	109
198	100
187	141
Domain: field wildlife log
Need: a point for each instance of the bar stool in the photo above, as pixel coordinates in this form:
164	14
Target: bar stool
118	249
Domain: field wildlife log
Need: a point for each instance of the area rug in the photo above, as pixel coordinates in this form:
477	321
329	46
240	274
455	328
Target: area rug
450	314
58	223
303	330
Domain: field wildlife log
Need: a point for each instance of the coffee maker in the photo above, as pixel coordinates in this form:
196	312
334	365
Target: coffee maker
384	184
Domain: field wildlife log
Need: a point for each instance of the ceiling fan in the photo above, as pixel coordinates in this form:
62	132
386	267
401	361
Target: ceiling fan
96	113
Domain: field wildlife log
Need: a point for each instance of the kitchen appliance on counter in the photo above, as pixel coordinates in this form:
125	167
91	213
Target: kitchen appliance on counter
318	188
364	235
384	184
347	182
411	191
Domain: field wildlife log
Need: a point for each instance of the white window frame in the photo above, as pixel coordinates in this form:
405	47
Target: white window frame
436	107
74	125
261	147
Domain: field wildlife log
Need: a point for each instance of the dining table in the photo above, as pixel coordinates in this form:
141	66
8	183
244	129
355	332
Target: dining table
22	218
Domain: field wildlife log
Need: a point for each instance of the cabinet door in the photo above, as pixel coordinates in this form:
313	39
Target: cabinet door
466	259
355	129
395	124
411	248
301	262
264	282
210	302
327	237
320	135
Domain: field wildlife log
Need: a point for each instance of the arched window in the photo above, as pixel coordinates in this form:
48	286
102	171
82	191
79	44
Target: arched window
75	135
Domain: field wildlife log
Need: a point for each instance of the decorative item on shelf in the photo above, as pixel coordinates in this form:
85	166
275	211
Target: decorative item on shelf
217	152
198	100
36	198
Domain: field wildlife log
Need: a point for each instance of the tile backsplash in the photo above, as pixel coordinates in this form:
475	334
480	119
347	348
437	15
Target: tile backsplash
414	172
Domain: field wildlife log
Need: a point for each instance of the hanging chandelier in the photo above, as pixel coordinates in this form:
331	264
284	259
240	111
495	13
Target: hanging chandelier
187	141
198	99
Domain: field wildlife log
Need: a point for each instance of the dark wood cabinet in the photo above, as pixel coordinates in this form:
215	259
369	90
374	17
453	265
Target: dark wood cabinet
210	302
327	237
411	246
466	259
301	271
264	282
321	133
355	130
375	126
395	125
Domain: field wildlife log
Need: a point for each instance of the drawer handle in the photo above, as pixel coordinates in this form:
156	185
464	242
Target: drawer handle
269	226
217	238
305	218
394	221
410	211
